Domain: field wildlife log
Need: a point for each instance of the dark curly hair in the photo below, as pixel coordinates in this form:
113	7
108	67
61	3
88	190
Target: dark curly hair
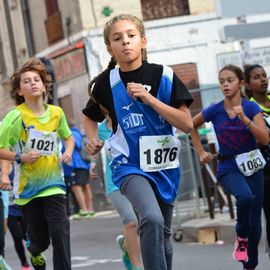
33	64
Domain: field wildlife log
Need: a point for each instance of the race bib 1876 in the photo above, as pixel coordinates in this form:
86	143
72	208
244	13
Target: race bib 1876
159	152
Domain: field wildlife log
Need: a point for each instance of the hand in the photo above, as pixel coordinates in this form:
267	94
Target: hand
93	172
5	183
238	110
94	146
31	156
205	157
137	90
66	157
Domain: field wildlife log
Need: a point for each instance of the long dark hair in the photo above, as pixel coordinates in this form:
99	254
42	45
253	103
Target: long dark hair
247	72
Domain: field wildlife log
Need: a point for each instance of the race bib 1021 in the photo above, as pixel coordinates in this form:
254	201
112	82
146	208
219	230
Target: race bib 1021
44	142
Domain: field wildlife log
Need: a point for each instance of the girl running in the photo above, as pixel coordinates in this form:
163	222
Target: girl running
256	82
238	124
145	103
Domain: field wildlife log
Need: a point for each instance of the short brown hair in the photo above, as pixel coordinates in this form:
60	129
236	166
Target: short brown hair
33	64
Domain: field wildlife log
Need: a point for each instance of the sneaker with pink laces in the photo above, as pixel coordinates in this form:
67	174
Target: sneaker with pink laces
240	249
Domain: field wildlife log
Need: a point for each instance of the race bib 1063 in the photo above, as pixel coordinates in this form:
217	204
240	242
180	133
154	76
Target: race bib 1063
159	152
251	162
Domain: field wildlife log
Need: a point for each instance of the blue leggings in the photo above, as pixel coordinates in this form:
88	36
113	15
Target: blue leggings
248	192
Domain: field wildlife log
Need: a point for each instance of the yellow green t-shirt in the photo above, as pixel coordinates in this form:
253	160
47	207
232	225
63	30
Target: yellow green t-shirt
45	176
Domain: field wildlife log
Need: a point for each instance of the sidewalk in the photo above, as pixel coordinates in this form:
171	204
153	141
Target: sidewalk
193	222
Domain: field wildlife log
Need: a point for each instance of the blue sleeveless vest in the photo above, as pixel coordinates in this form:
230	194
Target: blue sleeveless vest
135	119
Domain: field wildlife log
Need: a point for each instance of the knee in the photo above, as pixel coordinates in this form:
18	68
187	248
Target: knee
245	200
132	225
153	220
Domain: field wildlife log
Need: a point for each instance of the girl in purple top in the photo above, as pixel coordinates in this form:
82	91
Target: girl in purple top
239	127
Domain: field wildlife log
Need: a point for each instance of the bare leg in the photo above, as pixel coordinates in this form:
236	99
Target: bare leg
132	243
88	197
79	195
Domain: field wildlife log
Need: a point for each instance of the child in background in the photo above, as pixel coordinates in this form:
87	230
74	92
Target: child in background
79	180
3	218
238	124
146	103
29	136
16	223
129	242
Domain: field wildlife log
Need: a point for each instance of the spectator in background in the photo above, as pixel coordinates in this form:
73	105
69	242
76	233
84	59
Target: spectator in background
77	172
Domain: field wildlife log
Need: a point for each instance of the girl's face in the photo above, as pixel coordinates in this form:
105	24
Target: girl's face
258	81
31	85
229	83
125	44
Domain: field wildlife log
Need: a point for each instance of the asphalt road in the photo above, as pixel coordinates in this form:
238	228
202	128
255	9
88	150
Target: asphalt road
94	247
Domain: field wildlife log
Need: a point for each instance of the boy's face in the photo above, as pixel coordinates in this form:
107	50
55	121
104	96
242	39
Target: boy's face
31	85
126	44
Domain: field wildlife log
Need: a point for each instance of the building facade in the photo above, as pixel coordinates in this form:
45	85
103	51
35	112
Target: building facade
183	34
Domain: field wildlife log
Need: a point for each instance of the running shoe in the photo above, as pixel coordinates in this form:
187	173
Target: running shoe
3	264
26	268
240	249
83	214
120	239
38	262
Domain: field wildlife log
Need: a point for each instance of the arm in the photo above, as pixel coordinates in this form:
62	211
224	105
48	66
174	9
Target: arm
69	147
177	117
5	171
205	157
256	125
29	157
91	131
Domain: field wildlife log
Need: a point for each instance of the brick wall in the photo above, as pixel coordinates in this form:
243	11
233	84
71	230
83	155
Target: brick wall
189	76
198	7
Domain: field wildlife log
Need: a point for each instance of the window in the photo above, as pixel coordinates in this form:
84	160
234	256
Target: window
53	23
157	9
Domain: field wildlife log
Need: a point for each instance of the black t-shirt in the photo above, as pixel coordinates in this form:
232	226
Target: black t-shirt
148	74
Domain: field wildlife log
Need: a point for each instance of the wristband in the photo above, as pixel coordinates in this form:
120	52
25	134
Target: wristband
18	158
249	124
